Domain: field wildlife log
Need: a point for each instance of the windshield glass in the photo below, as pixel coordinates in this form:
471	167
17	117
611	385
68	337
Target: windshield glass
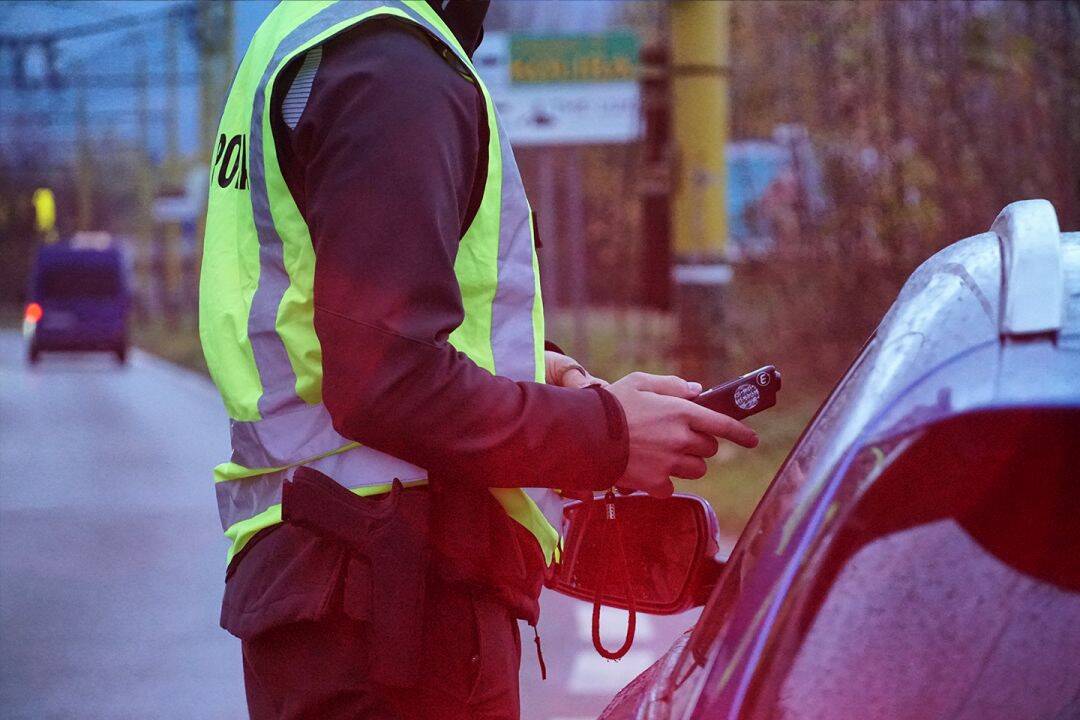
79	282
775	507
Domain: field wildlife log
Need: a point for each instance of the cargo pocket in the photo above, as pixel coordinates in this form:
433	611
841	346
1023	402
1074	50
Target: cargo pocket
495	691
452	647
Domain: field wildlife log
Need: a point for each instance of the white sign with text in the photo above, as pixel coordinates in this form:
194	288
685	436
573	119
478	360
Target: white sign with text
581	110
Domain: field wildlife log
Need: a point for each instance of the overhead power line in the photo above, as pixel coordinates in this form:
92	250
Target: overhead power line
100	27
63	81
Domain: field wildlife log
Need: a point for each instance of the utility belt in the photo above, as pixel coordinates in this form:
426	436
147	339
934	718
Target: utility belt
390	535
416	545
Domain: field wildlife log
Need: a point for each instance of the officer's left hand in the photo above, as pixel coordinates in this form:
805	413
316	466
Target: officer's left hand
565	371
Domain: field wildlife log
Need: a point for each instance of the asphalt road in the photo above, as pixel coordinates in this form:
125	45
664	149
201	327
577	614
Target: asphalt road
111	556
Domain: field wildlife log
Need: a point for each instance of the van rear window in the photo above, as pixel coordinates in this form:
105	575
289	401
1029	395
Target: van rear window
83	282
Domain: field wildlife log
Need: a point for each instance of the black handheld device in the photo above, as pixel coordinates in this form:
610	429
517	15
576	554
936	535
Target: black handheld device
744	396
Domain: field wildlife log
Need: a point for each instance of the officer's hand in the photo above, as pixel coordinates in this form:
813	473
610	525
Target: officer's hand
565	371
669	435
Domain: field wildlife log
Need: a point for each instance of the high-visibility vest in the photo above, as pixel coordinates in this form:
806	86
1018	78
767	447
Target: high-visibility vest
258	269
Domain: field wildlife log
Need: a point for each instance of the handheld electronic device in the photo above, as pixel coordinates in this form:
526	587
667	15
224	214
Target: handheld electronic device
744	396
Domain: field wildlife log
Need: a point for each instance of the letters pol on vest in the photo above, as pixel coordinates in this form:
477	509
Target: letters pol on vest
231	161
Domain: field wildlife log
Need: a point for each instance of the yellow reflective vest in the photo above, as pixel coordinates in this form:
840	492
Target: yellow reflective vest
255	294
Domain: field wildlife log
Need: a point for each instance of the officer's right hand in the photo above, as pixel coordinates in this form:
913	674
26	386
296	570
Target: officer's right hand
669	435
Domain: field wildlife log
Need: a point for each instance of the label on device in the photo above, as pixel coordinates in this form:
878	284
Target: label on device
747	396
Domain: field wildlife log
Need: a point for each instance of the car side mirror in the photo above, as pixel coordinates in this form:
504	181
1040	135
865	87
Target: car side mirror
640	553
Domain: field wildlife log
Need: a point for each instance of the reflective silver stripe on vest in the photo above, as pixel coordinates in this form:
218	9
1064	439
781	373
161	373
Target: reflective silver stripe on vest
550	504
513	343
271	358
287	438
295	102
243	499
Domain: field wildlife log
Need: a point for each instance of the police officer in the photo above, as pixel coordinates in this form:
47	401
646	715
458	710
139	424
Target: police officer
370	312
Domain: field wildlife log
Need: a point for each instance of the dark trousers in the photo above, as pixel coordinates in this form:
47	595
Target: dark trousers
319	669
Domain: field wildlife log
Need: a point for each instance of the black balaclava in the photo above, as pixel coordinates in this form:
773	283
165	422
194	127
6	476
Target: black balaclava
465	18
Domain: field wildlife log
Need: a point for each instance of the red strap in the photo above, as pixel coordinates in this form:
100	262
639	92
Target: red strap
611	526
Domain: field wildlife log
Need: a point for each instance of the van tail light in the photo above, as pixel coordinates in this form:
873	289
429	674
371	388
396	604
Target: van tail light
33	312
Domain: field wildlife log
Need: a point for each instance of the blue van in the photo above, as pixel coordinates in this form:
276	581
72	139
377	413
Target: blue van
79	300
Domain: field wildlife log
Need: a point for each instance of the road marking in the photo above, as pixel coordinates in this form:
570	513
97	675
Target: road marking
593	675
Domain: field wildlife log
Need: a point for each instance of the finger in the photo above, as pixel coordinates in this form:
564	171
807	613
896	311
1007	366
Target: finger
669	385
599	382
720	425
575	378
662	490
689	467
701	445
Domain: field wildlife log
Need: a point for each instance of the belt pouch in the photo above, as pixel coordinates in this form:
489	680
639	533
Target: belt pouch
388	532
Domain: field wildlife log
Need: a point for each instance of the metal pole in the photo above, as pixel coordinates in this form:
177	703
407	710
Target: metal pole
579	290
655	183
546	223
172	104
146	259
169	232
215	22
83	176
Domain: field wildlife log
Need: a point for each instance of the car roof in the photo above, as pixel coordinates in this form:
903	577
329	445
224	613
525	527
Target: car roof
64	256
943	347
1003	296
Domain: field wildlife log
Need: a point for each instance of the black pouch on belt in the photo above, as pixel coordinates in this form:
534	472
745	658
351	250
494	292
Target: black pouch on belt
389	533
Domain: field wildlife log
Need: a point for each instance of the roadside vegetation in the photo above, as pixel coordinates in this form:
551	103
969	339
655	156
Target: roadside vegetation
177	342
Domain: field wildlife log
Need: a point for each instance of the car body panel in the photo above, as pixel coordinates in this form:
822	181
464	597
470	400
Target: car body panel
938	353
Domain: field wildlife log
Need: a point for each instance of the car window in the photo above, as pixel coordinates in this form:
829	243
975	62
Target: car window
764	530
952	589
926	623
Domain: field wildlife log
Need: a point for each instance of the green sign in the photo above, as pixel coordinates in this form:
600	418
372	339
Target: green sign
611	57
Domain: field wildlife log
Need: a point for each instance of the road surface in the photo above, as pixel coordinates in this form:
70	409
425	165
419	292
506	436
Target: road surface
112	558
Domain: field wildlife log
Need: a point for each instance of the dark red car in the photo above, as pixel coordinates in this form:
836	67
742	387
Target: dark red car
918	554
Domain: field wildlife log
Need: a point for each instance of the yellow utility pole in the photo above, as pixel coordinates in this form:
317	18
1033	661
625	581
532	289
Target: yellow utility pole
699	85
700	67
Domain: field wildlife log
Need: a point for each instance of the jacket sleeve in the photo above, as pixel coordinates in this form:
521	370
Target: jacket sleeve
387	174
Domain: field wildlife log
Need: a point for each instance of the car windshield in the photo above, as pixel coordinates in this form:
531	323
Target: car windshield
79	282
952	590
